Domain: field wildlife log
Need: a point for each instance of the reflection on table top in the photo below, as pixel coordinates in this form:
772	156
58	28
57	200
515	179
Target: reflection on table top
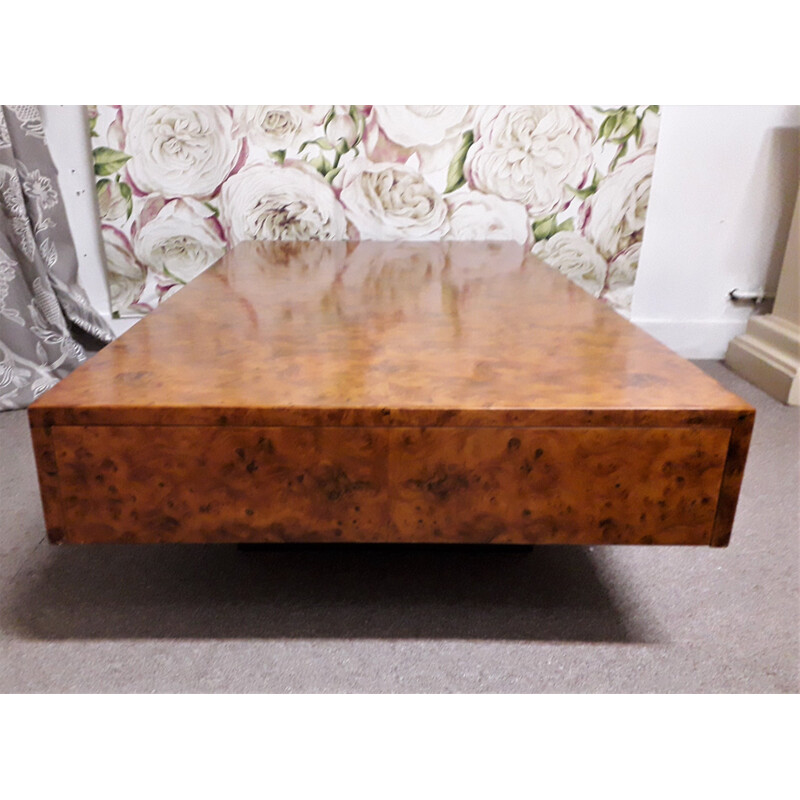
380	333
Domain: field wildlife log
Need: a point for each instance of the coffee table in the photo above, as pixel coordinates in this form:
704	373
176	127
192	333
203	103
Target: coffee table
388	392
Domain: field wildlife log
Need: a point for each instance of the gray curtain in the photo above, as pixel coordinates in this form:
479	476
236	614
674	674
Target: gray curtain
45	317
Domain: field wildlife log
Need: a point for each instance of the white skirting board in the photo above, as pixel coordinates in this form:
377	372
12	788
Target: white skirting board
768	355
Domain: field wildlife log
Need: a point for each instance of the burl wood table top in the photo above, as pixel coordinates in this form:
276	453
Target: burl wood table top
456	334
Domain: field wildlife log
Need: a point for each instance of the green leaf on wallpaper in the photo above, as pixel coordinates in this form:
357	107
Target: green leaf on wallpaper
323	143
588	190
99	187
127	193
618	125
623	149
606	127
279	155
332	174
627	124
544	228
640	122
107	161
455	172
547	226
321	164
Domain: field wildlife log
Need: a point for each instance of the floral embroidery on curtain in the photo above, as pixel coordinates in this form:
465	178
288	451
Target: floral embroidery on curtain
41	303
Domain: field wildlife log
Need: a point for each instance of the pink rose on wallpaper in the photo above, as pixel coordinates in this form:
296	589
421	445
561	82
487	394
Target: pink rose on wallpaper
391	201
179	238
280	127
575	257
475	216
342	130
126	275
621	275
180	150
613	217
412	126
432	133
531	154
111	202
272	201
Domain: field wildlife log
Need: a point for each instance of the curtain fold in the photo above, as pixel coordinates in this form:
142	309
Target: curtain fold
42	306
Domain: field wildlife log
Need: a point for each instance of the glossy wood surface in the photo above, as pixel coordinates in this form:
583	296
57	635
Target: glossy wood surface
383	333
427	392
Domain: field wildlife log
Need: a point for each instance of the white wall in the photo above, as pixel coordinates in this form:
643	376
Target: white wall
724	187
721	203
66	127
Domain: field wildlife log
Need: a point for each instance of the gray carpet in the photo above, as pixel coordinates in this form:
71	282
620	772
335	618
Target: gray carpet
557	619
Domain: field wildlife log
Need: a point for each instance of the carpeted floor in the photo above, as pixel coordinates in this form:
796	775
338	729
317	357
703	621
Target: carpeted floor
559	619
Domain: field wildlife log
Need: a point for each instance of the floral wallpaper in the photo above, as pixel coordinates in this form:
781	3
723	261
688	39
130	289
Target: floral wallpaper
179	185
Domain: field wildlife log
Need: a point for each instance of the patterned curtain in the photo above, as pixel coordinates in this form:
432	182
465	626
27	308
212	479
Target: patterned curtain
43	310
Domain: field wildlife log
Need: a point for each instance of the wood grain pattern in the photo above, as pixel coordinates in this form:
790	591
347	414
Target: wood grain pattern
186	484
388	392
492	485
564	485
47	470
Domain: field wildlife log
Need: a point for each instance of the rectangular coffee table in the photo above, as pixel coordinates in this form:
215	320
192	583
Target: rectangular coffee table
388	392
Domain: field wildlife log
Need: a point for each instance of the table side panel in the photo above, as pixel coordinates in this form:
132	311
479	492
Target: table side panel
559	485
732	479
49	484
481	485
151	484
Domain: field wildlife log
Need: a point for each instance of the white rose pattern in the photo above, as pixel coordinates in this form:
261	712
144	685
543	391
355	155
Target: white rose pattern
410	126
292	201
179	185
613	217
387	202
111	203
180	241
279	127
531	154
126	276
575	257
180	150
475	216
